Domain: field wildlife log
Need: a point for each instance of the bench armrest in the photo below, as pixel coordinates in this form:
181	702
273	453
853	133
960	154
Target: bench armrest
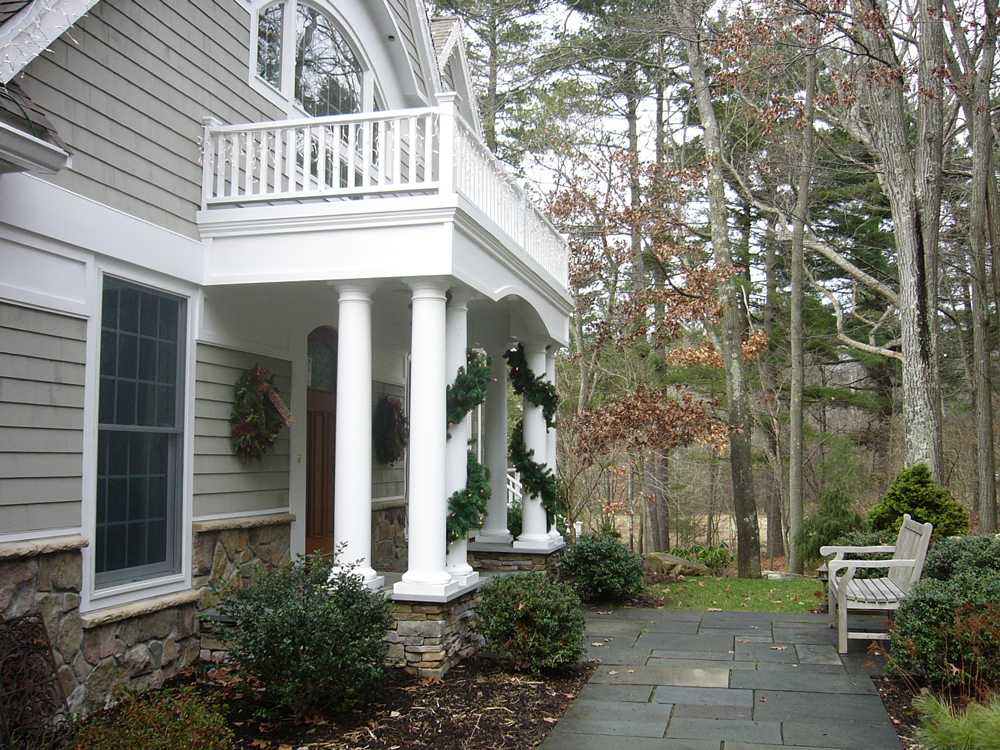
840	551
852	565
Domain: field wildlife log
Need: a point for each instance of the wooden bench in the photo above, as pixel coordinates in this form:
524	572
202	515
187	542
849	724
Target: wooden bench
846	592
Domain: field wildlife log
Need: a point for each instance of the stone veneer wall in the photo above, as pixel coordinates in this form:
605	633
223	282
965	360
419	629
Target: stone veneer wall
429	639
97	653
389	544
513	561
221	547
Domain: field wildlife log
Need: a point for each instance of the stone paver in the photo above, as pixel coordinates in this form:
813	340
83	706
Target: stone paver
683	680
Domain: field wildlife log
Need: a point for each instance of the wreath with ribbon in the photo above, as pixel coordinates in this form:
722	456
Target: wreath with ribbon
258	413
390	430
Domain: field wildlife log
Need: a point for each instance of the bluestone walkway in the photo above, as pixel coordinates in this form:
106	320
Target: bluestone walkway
685	680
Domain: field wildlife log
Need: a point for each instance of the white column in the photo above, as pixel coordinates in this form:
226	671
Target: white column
352	513
495	449
551	436
426	578
534	526
457	447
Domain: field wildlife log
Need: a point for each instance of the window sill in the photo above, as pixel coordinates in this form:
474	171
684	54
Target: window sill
109	615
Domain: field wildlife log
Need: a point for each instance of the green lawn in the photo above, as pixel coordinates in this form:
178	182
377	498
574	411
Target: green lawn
743	594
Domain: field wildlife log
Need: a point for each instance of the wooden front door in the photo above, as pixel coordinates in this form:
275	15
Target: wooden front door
321	441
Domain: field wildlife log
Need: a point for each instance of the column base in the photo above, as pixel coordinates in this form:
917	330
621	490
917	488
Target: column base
376	583
504	538
543	543
430	592
466	579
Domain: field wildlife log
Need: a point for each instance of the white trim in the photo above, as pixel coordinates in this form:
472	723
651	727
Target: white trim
240	514
92	597
30	33
23	152
30	536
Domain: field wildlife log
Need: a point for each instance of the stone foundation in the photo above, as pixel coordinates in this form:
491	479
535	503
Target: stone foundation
513	561
429	639
99	653
389	545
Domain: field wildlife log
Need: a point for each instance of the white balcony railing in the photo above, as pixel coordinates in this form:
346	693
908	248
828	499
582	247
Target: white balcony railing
371	155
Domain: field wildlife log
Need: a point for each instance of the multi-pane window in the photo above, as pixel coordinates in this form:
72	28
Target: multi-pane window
140	429
327	77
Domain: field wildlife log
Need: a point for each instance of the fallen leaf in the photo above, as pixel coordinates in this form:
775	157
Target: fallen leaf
779	648
549	719
763	699
701	584
393	714
631	671
613	672
714	609
597	643
260	743
604	613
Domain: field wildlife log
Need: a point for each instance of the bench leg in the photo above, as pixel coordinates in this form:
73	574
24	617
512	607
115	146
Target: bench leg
842	628
831	605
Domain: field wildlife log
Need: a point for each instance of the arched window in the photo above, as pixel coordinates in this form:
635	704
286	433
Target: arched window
306	59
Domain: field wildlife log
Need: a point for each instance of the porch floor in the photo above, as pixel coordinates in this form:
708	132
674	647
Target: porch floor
688	680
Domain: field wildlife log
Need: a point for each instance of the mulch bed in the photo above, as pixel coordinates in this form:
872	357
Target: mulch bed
479	704
897	697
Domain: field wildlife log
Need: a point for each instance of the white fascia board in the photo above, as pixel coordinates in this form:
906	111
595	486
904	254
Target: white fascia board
22	152
25	36
425	46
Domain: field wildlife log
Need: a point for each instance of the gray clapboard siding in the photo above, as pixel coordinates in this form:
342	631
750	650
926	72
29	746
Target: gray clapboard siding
42	359
224	483
128	93
408	33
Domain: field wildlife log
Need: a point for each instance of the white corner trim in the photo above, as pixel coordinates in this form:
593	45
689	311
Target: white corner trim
23	152
25	36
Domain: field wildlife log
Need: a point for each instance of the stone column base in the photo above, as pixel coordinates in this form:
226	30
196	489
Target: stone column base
504	559
428	639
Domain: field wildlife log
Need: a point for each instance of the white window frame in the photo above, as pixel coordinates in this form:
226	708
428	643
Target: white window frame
283	97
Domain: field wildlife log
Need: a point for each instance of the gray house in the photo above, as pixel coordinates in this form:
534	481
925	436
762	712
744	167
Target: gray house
196	192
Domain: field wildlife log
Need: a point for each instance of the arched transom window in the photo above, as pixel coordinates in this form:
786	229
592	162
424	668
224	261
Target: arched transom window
306	59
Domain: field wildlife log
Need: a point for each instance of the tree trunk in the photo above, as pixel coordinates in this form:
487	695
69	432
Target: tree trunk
796	442
734	322
884	76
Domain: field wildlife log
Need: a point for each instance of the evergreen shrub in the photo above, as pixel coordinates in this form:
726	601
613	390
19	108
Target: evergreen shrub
716	557
833	518
941	728
953	556
532	620
156	720
913	491
949	631
314	634
602	569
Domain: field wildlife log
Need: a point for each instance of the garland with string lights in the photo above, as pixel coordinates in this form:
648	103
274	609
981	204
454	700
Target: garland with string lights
469	389
466	506
536	479
258	413
533	387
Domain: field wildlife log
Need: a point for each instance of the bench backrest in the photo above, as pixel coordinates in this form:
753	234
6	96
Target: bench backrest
912	543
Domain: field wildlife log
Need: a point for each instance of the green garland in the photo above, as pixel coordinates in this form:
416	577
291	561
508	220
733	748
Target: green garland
466	506
469	389
536	479
255	420
389	430
533	387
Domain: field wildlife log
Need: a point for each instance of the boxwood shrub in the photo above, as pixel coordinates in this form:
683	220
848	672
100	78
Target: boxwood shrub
313	634
535	622
949	631
955	556
602	569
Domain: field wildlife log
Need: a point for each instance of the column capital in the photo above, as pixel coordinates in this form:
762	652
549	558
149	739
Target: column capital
355	291
460	297
428	287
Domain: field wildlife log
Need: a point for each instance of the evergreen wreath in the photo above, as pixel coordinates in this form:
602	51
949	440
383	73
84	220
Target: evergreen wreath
536	479
255	420
466	506
390	433
469	389
533	387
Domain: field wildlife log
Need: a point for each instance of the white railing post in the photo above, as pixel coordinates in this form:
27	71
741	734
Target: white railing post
208	157
446	142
